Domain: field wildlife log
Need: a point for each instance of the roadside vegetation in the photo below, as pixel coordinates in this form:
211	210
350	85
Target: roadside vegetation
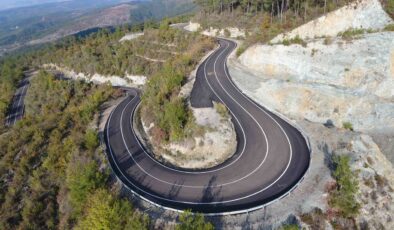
191	221
343	205
388	6
347	125
263	20
295	40
11	72
161	103
53	173
389	27
51	166
342	198
102	53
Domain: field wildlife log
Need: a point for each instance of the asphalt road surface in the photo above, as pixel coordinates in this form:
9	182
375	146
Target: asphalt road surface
18	107
271	156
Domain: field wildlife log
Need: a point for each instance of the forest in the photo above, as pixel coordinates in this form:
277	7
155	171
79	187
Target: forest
53	172
264	19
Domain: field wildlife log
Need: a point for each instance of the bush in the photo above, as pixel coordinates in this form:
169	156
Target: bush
227	33
240	50
82	179
91	140
328	41
221	109
295	40
191	221
389	7
347	125
290	227
389	27
343	197
107	213
351	33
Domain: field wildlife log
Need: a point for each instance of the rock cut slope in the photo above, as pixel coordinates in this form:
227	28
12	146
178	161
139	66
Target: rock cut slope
366	14
331	78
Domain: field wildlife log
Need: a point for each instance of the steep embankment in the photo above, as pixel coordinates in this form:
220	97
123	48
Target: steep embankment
344	81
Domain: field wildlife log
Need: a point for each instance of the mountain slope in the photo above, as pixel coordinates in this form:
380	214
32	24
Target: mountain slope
49	22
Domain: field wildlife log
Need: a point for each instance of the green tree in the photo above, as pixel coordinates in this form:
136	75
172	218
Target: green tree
191	221
106	213
82	179
91	140
343	198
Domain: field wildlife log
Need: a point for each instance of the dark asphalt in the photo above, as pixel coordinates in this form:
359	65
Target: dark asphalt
271	157
18	107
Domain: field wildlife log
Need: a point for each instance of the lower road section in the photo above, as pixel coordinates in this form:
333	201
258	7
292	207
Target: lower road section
271	157
17	108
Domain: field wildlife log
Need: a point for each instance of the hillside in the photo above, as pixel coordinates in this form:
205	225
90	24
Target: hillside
48	22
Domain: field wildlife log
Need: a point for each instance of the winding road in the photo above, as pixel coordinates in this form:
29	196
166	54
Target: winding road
17	108
271	157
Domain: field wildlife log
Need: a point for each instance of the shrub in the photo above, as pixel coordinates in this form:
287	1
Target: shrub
91	140
191	221
290	227
347	125
221	109
351	33
343	197
295	40
389	27
227	33
105	212
328	41
240	50
389	7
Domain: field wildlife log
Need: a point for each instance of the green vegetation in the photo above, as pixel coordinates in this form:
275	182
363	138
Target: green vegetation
91	140
51	175
227	33
389	7
105	212
328	41
290	227
389	27
347	125
295	40
240	50
221	109
160	102
352	33
190	221
342	198
262	19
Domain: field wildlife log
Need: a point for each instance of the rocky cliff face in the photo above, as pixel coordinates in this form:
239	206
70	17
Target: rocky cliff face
366	14
344	81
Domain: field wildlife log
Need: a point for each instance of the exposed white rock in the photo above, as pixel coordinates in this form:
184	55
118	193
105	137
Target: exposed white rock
216	145
234	32
366	14
126	81
192	27
343	81
131	36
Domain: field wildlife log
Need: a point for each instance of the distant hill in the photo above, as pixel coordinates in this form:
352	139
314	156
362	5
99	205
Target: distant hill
48	22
